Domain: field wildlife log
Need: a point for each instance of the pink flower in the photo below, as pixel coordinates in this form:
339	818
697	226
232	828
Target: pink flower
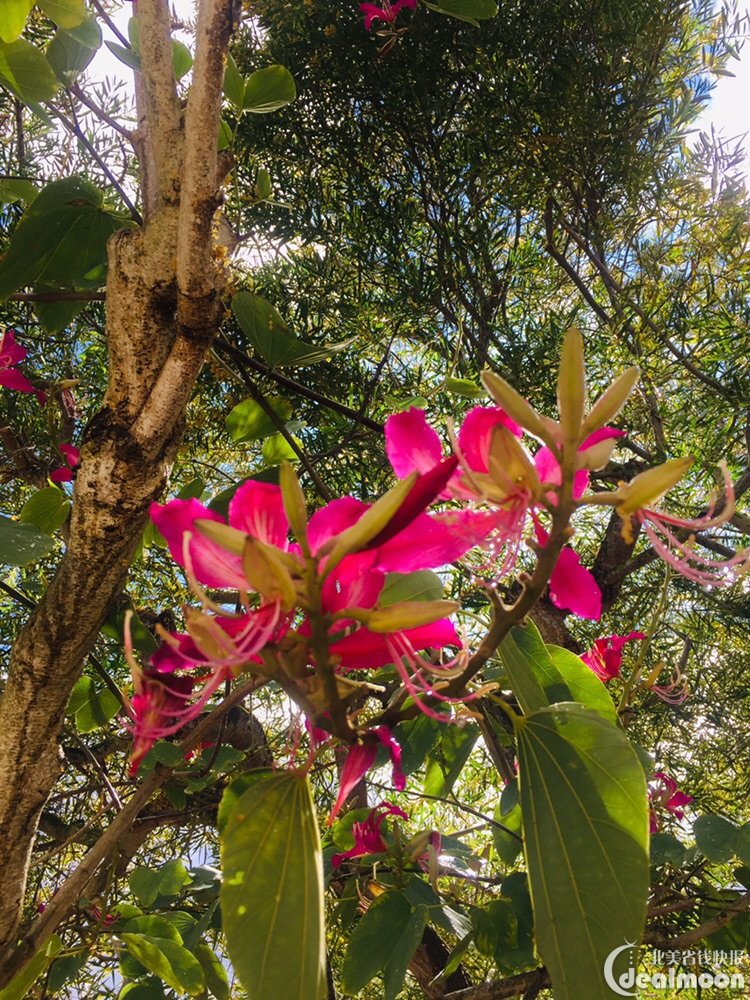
255	509
72	457
368	838
360	759
12	354
605	656
571	586
663	795
496	470
387	13
159	710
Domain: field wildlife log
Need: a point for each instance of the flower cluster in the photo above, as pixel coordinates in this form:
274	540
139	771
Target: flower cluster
312	596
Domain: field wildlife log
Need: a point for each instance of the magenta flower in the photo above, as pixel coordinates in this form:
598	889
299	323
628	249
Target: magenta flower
360	759
72	456
605	656
11	355
496	470
368	838
158	710
387	13
663	795
255	510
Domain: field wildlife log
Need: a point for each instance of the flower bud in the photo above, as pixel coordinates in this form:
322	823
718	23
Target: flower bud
571	387
516	406
509	465
370	524
294	502
650	485
612	400
267	574
409	614
221	534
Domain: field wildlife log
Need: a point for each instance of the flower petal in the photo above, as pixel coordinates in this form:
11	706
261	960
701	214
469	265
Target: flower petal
411	444
358	762
212	565
366	650
11	353
475	435
258	510
13	379
573	588
433	540
331	520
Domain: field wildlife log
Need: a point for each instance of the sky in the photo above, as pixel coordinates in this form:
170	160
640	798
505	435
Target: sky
728	110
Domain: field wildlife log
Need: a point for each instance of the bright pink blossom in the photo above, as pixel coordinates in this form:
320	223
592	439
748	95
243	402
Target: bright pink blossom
11	355
360	759
368	838
663	795
72	456
571	586
412	444
605	656
387	13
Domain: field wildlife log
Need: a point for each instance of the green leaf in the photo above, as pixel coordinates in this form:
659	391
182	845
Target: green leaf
248	421
46	509
464	387
234	84
270	335
182	59
91	707
408	942
168	753
125	55
276	449
167	959
153	925
424	585
583	797
21	544
471	11
742	846
18	988
666	849
375	939
263	188
26	73
144	884
14	189
716	837
447	761
149	884
508	847
61	240
543	675
13	14
65	13
272	890
268	90
214	972
64	969
56	316
416	737
69	55
151	989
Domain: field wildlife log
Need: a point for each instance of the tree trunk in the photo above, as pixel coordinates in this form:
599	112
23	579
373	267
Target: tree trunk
162	311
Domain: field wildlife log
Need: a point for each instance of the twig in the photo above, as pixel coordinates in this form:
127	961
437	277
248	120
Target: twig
302	390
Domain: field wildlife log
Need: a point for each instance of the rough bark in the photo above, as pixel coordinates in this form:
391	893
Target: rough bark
156	349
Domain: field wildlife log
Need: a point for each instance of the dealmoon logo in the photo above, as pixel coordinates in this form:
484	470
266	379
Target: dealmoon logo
626	978
629	982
